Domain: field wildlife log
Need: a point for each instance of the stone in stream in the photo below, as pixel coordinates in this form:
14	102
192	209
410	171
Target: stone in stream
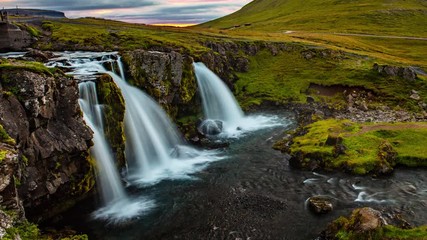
320	204
210	127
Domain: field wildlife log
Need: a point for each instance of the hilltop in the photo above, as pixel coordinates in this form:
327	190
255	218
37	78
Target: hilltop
388	17
21	12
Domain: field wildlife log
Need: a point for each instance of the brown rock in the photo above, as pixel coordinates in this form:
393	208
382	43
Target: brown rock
320	204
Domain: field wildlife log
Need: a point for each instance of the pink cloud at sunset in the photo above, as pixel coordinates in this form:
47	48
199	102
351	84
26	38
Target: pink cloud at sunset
142	11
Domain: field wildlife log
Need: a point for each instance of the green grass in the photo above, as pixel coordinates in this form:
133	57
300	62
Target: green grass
25	65
390	17
115	35
367	145
287	77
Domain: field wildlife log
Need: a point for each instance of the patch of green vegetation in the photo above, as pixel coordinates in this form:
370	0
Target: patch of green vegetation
365	148
343	228
115	35
35	67
287	77
402	18
392	232
25	230
2	155
5	138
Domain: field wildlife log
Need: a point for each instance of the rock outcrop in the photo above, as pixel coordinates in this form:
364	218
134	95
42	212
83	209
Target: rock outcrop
114	111
49	160
167	76
407	73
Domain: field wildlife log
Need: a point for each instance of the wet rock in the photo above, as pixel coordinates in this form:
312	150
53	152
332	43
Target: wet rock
213	144
320	204
210	127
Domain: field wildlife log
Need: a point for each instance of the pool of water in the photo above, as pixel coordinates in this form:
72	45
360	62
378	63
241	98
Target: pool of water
254	194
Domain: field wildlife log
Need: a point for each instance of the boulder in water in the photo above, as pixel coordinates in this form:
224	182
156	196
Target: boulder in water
210	127
320	204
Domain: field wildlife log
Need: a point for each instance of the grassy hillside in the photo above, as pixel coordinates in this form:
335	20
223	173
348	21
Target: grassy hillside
389	17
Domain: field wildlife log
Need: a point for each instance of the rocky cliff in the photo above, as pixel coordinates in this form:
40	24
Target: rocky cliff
44	140
167	76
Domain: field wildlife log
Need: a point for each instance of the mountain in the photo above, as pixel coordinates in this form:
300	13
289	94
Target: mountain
34	13
391	17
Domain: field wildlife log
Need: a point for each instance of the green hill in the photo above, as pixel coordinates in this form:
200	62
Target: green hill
388	17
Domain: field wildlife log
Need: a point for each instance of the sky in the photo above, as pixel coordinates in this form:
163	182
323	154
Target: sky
138	11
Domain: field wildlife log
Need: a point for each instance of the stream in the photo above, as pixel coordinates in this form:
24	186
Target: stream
254	194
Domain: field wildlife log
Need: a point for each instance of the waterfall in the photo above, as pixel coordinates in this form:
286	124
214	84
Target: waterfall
154	148
109	180
218	101
219	104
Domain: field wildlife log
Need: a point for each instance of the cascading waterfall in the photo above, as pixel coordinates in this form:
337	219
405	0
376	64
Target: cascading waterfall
154	147
220	104
109	179
218	101
155	150
117	205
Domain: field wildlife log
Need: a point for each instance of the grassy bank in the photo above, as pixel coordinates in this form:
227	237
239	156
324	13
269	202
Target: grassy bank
362	148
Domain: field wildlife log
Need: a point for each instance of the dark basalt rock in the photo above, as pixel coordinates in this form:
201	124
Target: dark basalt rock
41	113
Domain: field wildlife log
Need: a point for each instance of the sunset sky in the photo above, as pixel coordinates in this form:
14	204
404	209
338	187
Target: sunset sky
140	11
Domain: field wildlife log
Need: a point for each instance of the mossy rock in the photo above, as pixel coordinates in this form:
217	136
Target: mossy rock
114	111
367	223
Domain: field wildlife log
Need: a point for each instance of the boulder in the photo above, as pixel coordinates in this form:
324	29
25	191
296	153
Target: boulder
38	55
407	73
320	204
210	127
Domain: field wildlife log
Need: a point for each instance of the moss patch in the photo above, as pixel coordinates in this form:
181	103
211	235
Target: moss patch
5	138
110	95
35	67
362	148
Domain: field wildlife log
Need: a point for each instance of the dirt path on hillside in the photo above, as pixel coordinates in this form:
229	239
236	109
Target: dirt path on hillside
380	36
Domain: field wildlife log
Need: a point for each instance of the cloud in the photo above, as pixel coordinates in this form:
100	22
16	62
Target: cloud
142	11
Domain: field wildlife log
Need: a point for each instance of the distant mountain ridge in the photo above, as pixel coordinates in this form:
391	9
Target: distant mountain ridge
34	12
392	17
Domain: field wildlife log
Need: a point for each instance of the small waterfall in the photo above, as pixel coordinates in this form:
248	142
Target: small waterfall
154	147
118	206
218	101
109	180
220	104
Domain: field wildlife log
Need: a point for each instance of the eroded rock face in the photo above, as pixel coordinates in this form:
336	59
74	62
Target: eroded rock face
166	76
40	111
